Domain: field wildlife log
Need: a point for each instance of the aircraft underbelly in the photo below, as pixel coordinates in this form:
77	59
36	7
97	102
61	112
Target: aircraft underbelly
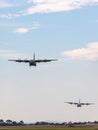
78	105
32	63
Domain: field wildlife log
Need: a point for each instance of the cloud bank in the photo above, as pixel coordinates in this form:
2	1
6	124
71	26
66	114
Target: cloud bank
90	52
48	6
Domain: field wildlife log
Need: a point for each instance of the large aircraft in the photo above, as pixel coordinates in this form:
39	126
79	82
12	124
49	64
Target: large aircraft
79	104
33	61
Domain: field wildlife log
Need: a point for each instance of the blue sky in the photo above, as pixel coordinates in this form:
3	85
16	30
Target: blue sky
62	29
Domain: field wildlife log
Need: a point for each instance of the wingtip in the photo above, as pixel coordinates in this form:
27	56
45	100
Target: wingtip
9	59
55	59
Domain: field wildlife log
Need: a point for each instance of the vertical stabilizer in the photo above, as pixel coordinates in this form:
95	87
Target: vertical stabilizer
79	100
34	56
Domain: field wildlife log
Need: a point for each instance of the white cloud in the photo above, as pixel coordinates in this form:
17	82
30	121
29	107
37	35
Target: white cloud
22	30
88	53
48	6
26	30
4	4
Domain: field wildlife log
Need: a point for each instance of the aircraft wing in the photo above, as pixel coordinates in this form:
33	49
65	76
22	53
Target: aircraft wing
45	60
69	102
86	103
75	103
19	60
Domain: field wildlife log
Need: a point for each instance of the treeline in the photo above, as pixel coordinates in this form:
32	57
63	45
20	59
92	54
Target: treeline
65	123
14	123
10	123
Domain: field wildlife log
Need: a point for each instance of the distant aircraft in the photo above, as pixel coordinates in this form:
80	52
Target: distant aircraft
33	61
79	104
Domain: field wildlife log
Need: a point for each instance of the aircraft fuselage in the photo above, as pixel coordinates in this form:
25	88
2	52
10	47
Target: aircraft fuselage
32	63
78	105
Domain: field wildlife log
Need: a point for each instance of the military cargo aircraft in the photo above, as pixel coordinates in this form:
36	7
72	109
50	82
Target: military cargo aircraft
78	104
32	62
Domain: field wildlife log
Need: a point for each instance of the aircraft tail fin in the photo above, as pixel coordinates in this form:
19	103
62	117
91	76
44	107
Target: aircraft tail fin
79	100
34	56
